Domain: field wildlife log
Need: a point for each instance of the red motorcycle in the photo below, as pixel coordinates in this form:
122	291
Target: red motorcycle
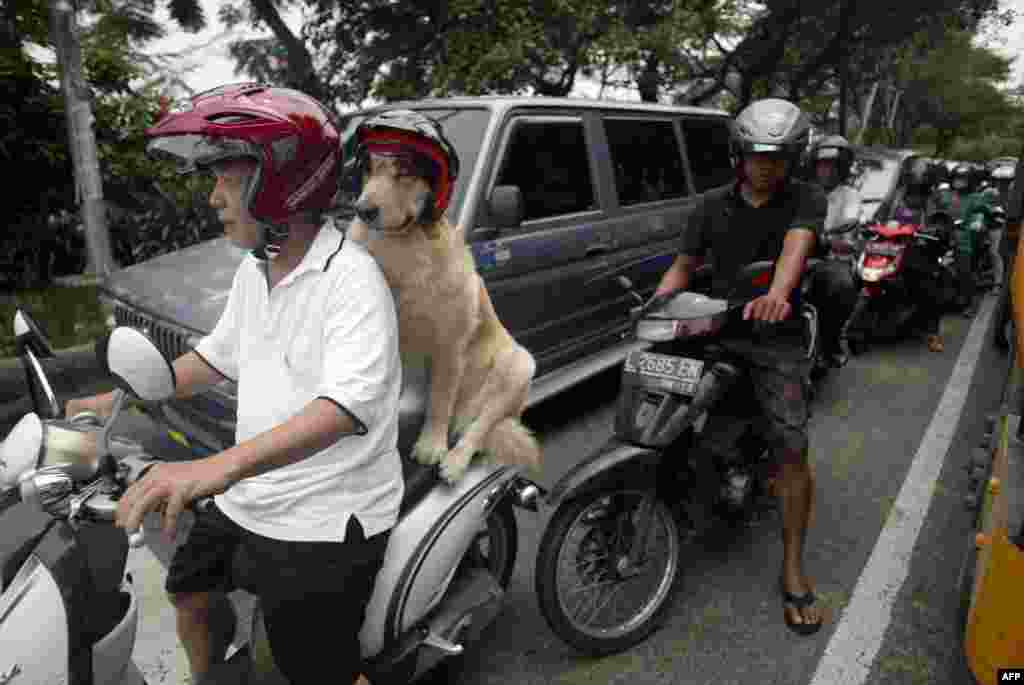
888	305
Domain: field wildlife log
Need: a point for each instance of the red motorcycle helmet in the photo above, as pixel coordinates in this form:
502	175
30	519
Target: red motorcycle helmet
292	138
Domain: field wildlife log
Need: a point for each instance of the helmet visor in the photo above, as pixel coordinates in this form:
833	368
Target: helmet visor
191	152
766	148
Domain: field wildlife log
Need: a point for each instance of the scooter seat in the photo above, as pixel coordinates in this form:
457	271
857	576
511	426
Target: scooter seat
419	480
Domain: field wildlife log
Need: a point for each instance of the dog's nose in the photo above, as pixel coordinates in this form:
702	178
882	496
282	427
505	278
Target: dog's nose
366	212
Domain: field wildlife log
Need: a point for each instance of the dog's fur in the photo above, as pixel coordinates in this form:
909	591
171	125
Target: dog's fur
480	376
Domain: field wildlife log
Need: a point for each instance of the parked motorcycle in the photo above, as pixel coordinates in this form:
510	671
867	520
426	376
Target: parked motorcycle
688	451
447	565
886	306
68	610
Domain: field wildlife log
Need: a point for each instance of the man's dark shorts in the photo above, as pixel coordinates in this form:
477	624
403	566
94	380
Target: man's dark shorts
313	594
779	372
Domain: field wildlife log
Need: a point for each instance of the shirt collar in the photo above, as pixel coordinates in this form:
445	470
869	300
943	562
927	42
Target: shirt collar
326	245
777	198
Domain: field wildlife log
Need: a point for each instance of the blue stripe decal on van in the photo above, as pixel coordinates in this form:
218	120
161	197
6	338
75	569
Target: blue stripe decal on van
494	254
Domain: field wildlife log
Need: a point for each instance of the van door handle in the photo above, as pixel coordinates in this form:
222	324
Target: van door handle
597	248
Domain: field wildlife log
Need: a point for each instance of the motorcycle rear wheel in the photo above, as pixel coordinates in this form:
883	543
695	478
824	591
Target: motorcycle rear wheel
554	595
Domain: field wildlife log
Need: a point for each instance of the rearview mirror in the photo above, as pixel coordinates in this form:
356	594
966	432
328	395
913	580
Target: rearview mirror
44	399
28	333
506	206
136	364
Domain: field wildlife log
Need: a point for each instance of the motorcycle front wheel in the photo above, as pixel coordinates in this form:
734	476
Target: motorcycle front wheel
592	596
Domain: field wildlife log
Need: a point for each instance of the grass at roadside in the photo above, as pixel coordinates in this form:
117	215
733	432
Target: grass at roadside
68	315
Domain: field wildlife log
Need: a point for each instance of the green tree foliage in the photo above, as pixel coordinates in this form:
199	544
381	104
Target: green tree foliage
795	48
34	138
951	85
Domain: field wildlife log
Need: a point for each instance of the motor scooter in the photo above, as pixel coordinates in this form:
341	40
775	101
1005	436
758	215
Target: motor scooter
68	610
688	451
448	562
886	307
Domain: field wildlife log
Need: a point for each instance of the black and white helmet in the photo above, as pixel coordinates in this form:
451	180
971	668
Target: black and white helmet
771	125
836	148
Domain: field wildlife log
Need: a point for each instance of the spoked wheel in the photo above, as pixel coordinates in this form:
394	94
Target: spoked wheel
593	596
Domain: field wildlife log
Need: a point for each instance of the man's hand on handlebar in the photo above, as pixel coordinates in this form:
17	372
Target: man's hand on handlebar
101	405
772	308
170	487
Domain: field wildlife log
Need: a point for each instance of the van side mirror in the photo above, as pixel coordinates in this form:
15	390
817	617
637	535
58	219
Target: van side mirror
505	206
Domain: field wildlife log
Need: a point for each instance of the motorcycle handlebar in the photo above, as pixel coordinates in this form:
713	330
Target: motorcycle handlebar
136	469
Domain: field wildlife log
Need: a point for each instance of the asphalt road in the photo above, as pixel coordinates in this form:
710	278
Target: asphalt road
727	625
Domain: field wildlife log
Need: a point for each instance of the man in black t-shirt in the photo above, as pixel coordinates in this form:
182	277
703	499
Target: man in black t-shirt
767	216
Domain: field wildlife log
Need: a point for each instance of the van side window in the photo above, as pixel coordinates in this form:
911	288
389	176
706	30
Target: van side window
707	144
647	161
549	162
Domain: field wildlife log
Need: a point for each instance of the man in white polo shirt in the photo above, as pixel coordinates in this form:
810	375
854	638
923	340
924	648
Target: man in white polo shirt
304	502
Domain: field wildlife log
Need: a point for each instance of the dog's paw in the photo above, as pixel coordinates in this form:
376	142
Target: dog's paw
454	465
428	452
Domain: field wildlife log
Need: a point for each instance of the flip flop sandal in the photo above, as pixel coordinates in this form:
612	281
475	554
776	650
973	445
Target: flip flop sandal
801	602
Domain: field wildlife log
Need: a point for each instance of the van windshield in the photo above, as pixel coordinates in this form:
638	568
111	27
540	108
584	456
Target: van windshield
464	127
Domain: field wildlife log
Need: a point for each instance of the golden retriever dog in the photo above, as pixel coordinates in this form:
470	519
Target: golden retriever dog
479	375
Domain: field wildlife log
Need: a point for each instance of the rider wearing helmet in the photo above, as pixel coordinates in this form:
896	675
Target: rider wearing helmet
913	202
766	215
295	161
832	158
310	334
973	209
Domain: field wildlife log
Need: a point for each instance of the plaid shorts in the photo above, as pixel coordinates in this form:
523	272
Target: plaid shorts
779	374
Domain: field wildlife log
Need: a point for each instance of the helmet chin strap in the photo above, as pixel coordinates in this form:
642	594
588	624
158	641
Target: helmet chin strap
274	237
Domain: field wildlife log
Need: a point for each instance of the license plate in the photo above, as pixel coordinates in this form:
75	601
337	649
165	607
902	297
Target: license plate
884	249
675	374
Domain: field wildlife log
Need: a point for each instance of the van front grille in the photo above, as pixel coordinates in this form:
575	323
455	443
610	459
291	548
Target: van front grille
170	341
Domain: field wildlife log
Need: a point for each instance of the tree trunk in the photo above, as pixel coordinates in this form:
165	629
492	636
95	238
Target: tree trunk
81	138
865	120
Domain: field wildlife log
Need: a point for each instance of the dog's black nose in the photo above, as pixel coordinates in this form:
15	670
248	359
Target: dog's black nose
367	213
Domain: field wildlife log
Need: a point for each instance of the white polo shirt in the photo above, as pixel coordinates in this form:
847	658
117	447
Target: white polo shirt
327	330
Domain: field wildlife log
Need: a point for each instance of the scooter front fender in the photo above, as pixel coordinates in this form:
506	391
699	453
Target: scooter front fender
592	470
112	654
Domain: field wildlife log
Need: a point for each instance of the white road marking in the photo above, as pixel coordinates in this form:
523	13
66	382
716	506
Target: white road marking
855	643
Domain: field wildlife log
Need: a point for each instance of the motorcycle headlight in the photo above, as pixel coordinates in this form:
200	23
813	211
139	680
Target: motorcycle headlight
656	330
